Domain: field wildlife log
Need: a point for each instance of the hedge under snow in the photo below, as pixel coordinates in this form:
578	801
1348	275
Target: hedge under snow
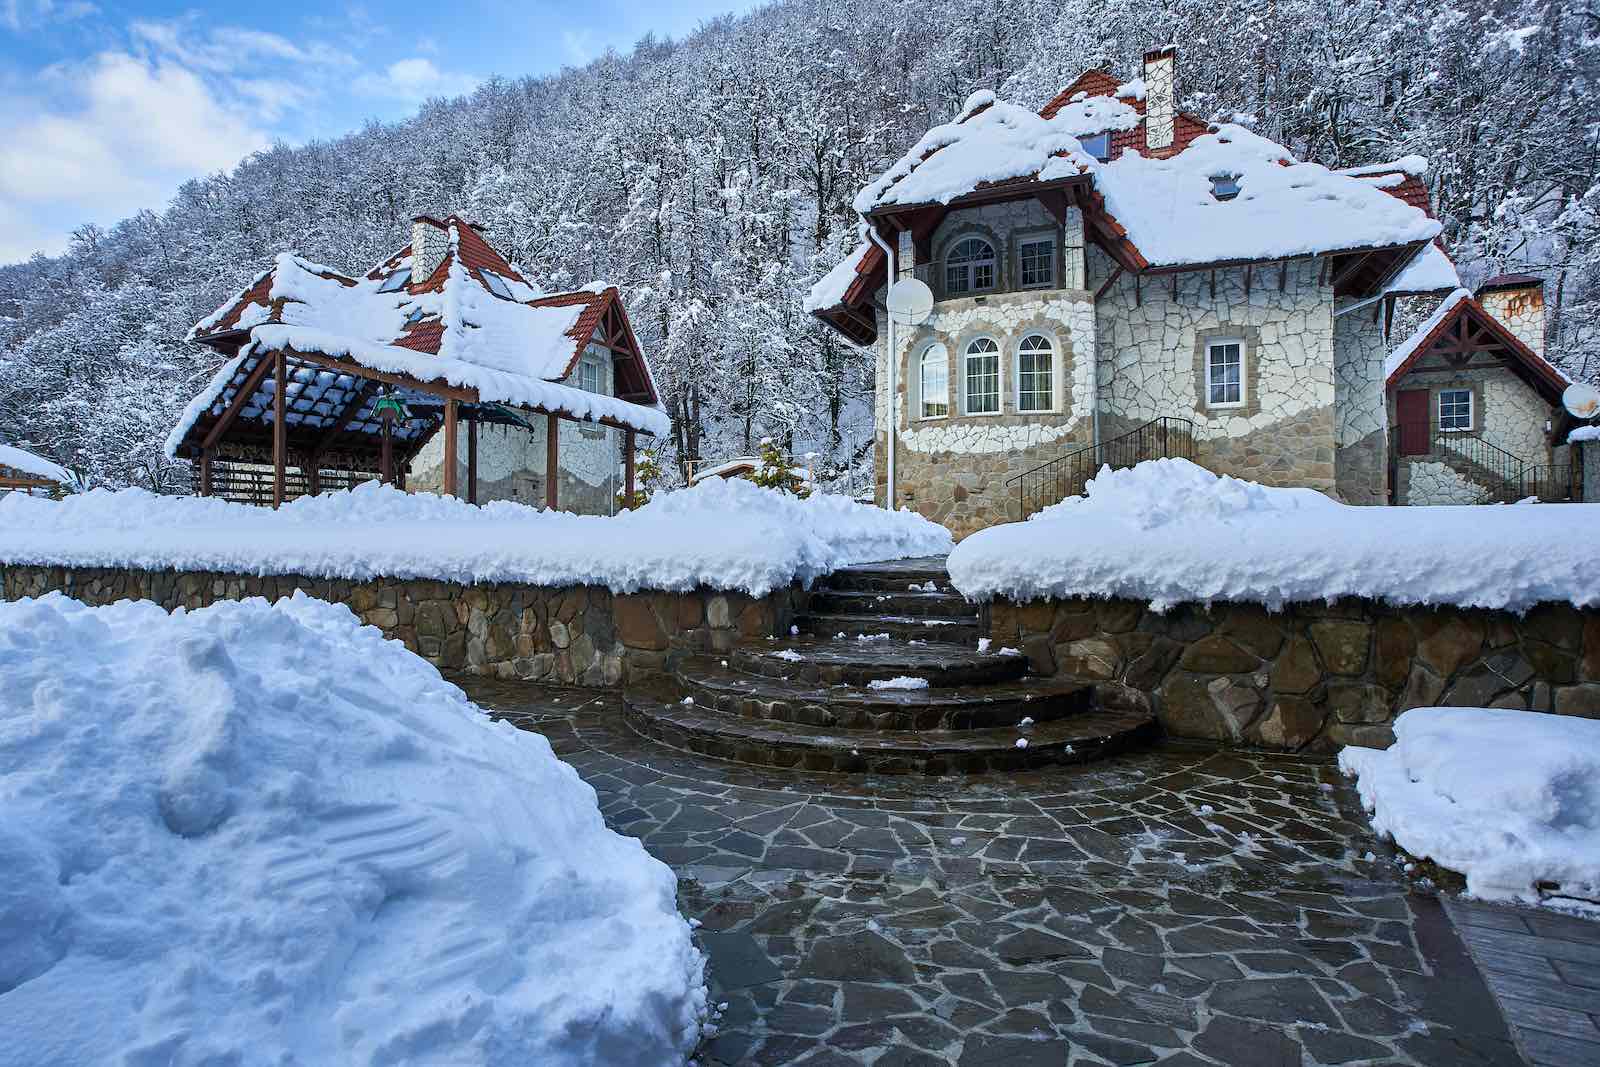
262	834
1169	532
1508	798
722	534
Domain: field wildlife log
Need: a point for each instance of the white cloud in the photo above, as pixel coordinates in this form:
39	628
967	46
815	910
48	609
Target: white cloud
578	45
20	15
414	80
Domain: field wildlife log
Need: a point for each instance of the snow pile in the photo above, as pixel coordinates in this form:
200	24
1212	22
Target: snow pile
1510	799
262	834
1169	532
1430	271
724	534
902	681
831	287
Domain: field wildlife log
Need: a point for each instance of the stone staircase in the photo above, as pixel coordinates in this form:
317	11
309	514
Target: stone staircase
810	700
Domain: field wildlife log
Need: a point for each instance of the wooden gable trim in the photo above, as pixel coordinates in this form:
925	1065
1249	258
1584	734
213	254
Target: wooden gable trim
1474	331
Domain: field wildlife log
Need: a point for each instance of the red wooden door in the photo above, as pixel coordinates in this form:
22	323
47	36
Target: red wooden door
1411	414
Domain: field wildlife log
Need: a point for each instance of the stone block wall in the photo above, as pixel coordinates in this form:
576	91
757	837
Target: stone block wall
1314	676
577	635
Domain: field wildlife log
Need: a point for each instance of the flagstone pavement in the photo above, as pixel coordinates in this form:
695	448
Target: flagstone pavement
1184	906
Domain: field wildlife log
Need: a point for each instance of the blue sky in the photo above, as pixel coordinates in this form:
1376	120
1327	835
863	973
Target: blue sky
109	107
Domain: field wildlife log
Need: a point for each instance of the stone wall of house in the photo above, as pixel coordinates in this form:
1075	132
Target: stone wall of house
954	468
1507	412
1424	481
511	461
1519	310
1587	455
1150	346
1360	451
578	635
1313	676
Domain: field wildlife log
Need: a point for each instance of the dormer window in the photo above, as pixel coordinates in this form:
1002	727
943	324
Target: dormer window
497	285
1097	145
1224	186
396	281
970	267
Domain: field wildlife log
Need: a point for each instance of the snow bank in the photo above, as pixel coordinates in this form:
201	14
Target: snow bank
262	834
725	534
1168	531
1508	798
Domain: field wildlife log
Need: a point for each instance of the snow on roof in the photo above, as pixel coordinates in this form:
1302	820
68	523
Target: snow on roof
22	460
1416	166
513	349
1430	271
994	141
1284	207
1404	349
1167	205
830	289
1584	433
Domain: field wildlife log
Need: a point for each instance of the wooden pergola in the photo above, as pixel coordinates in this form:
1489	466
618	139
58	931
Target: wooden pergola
292	408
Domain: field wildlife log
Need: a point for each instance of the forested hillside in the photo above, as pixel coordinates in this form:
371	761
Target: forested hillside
711	179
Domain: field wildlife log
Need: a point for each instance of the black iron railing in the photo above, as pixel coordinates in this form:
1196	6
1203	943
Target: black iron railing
1549	483
1503	476
1052	482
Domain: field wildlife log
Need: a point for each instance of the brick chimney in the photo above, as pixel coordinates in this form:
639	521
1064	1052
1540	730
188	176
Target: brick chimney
1160	107
430	243
1517	302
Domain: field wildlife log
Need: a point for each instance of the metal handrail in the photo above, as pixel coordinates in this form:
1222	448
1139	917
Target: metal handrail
1502	471
1064	476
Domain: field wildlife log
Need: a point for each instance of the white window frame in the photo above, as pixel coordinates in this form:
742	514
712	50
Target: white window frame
1244	374
970	268
1050	353
1050	261
967	356
943	360
1472	411
396	281
497	284
1088	140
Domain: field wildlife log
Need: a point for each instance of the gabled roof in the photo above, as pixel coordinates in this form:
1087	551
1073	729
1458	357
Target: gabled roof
1461	324
450	328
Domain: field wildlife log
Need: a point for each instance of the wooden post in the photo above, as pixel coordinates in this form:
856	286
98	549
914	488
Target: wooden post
450	448
386	462
552	467
280	437
472	460
205	472
313	469
628	439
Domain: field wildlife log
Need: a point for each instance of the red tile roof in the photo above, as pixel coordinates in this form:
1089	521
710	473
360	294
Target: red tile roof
1185	127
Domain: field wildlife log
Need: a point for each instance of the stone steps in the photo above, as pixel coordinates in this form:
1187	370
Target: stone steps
898	627
863	708
1078	739
897	576
853	661
875	602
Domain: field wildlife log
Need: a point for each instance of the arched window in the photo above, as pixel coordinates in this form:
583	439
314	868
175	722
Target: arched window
1035	374
933	381
969	267
983	377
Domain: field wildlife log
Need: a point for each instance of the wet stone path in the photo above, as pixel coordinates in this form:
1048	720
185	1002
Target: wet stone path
1182	906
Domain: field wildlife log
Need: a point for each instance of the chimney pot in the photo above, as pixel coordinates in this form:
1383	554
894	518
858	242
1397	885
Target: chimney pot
1160	107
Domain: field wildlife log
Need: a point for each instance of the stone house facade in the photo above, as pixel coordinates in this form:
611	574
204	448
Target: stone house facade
1070	306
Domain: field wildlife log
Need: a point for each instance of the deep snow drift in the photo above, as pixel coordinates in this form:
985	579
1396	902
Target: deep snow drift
722	534
1168	531
1507	798
258	834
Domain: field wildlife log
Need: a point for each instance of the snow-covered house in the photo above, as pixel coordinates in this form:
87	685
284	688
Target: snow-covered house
441	367
1111	260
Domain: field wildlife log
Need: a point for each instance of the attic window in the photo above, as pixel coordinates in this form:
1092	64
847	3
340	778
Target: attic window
497	285
1224	186
415	317
1097	145
395	281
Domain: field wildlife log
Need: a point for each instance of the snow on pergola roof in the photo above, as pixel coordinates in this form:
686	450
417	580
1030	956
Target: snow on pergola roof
452	329
25	462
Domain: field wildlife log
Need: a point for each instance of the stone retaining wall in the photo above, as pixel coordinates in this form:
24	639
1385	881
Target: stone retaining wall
1313	676
577	635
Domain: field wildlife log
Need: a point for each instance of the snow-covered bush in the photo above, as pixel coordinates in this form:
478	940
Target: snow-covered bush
262	834
776	472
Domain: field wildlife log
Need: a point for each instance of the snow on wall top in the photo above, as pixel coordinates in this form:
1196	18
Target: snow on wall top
1170	532
721	534
280	825
831	287
22	460
1584	433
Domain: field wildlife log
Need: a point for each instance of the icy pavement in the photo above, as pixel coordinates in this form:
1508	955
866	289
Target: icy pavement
1182	907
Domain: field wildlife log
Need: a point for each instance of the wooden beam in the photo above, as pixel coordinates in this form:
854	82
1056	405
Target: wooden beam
1322	272
1283	275
450	458
1249	269
552	469
386	455
434	387
247	389
1107	284
629	443
1174	287
1138	295
1213	284
472	460
351	409
205	471
280	433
